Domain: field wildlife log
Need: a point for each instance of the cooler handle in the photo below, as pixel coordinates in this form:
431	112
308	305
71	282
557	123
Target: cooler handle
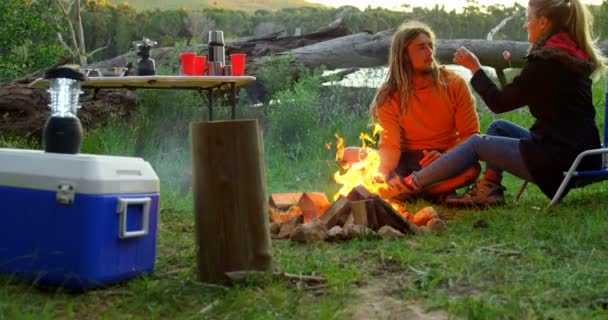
123	205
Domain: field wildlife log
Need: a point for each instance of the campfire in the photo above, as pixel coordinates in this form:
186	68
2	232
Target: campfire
356	210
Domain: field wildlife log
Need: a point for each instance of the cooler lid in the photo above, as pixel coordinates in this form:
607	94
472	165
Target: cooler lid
87	173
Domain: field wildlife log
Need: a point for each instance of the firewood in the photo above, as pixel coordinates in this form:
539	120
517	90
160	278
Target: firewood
336	213
312	231
289	226
360	211
275	228
313	205
336	234
424	215
387	216
349	220
436	225
359	193
277	215
284	200
389	233
355	231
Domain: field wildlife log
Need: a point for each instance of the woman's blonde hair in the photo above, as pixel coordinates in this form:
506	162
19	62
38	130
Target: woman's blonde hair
573	17
399	77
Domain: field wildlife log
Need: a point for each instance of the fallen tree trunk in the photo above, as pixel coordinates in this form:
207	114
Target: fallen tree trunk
254	47
360	50
23	111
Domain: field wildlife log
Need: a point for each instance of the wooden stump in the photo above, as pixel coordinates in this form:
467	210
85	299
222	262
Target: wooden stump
230	207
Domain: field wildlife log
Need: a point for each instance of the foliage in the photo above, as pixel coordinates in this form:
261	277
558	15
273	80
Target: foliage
30	41
27	39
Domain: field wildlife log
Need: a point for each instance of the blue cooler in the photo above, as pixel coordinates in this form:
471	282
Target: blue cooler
78	220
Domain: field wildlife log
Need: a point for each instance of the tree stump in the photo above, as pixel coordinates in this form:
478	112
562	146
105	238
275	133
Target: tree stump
230	208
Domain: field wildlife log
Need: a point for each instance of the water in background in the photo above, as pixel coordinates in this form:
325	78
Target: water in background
373	77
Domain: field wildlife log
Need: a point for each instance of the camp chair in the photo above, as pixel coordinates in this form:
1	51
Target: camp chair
581	178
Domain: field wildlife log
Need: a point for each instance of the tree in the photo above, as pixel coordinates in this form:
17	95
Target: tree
71	10
198	25
26	41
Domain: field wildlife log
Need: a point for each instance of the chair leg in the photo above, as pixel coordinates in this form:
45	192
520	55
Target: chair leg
521	189
559	191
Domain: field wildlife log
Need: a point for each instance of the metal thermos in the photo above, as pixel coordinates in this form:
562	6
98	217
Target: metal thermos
63	131
216	47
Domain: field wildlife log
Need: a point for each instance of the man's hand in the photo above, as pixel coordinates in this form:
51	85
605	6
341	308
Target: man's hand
429	156
395	187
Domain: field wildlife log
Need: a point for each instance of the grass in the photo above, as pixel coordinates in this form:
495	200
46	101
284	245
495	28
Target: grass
526	264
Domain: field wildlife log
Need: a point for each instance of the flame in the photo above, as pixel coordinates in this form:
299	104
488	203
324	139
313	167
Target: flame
400	208
364	172
339	147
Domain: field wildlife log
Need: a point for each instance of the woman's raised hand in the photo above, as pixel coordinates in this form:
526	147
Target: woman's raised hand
467	59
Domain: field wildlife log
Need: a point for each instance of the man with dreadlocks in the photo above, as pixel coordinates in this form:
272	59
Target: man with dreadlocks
423	108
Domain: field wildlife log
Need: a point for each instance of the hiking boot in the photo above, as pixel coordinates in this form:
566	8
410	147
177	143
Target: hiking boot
397	189
485	193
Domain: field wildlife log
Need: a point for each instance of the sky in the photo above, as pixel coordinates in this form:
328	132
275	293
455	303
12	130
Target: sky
449	4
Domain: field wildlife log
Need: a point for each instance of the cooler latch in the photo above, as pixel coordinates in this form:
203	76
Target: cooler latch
122	209
65	194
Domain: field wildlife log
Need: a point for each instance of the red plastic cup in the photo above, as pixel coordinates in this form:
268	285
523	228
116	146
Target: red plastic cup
198	68
237	60
187	62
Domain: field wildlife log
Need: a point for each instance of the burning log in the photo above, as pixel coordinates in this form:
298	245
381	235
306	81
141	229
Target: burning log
313	205
424	215
336	213
359	193
364	213
387	216
361	213
284	200
289	226
277	215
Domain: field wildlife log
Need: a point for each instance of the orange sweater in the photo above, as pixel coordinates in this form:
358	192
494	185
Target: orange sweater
436	118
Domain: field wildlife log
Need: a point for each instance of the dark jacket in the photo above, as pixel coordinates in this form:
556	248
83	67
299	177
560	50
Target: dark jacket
556	87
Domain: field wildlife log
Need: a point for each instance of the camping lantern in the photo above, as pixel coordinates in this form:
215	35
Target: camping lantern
63	131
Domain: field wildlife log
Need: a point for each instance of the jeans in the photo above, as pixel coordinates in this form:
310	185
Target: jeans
499	148
409	161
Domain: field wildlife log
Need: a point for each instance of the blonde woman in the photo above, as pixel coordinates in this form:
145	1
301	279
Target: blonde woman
555	84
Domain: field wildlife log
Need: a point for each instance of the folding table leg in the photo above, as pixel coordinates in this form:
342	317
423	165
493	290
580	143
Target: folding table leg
233	99
210	104
207	94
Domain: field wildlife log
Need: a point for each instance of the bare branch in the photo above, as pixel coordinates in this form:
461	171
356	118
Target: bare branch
81	44
89	54
69	6
65	45
71	27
